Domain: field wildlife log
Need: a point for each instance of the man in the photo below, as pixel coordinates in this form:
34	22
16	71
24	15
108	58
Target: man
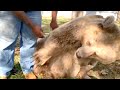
28	25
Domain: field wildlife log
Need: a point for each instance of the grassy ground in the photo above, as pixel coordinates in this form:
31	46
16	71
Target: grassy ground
101	71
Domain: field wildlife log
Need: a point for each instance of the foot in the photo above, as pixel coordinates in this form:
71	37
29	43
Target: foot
30	76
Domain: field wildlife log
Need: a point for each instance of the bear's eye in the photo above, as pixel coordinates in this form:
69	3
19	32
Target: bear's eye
96	32
88	43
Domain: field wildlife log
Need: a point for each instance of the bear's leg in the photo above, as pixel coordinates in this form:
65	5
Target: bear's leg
83	71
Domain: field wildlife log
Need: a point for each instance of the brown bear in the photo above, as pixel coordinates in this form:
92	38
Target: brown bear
74	48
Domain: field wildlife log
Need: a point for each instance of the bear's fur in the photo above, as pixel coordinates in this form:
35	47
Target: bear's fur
73	49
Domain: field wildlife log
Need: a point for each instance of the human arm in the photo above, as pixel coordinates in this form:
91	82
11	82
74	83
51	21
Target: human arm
53	23
36	29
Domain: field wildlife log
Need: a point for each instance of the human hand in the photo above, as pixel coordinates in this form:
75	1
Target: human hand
37	30
53	25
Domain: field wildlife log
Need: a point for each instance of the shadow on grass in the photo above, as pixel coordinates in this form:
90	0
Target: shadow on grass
16	72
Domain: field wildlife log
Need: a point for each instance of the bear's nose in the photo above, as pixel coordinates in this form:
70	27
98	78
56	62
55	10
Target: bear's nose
78	55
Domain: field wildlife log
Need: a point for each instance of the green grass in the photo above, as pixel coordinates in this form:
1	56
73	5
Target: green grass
16	73
46	23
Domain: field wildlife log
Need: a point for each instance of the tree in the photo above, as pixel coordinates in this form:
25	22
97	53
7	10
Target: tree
118	16
76	14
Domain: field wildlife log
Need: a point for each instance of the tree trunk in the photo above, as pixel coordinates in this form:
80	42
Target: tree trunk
118	16
76	14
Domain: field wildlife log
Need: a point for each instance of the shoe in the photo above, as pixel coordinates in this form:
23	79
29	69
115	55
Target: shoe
30	76
3	77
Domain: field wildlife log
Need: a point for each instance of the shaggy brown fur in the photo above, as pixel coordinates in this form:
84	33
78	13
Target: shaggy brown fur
69	50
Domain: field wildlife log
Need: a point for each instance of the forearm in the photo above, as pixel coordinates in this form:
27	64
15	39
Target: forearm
23	17
54	15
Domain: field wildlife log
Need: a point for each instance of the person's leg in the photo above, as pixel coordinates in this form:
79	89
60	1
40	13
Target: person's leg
27	46
9	30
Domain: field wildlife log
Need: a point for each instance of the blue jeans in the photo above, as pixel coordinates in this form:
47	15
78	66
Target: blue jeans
10	28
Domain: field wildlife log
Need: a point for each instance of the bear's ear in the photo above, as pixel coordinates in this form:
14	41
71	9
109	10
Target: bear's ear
108	22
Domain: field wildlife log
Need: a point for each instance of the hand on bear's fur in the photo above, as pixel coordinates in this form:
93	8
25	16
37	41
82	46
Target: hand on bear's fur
38	31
